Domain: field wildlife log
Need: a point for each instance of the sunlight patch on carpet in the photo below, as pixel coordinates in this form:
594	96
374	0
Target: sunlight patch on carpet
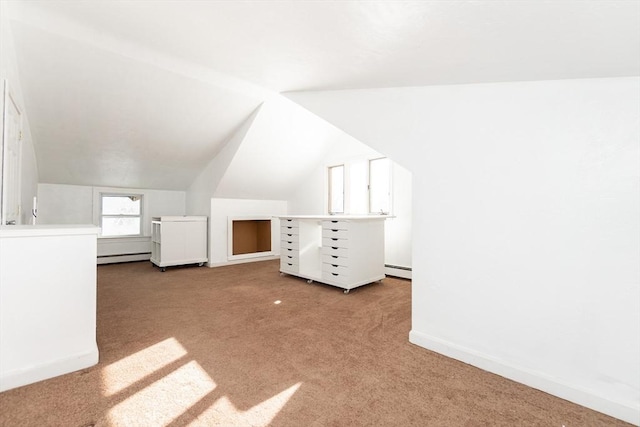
164	400
127	371
225	413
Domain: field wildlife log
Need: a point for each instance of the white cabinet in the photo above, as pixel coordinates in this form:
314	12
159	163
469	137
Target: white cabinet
177	240
345	251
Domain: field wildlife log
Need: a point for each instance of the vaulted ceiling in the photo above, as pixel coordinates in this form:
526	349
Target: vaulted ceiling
145	93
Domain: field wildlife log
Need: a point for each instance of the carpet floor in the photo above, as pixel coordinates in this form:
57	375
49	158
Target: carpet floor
243	346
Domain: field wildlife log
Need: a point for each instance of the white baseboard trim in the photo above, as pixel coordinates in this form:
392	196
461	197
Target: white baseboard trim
20	377
404	273
113	259
626	411
243	261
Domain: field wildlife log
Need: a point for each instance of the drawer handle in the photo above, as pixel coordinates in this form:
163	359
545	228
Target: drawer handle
335	274
334	247
289	264
288	256
334	230
289	235
334	238
289	249
335	222
334	256
289	228
334	265
289	243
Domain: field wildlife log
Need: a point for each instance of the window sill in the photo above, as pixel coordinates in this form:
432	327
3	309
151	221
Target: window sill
127	238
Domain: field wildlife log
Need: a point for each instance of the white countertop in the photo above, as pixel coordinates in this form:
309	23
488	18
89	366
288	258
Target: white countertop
185	218
337	217
47	230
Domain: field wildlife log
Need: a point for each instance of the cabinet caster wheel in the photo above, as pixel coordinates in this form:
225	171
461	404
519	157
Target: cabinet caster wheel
201	264
281	274
163	269
346	291
309	281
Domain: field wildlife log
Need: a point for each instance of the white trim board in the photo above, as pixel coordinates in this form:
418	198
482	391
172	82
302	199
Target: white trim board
391	270
275	236
626	411
115	259
48	370
244	261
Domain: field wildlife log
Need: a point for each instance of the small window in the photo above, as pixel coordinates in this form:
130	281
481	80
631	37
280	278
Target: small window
380	186
121	215
336	189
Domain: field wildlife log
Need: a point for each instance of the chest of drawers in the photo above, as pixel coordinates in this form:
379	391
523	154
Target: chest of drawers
346	252
289	246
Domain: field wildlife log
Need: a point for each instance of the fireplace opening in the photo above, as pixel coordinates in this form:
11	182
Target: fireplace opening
251	236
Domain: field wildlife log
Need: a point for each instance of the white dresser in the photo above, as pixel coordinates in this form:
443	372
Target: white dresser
344	251
178	240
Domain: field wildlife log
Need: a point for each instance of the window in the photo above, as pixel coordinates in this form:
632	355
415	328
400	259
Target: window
121	214
380	186
336	189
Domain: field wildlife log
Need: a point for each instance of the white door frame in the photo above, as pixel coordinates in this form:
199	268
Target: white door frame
2	114
10	193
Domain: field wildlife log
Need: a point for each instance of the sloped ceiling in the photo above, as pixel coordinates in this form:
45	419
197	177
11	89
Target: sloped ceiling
99	117
284	143
145	93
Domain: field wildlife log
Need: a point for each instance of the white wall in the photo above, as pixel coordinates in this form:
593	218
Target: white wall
202	189
281	153
398	231
65	204
78	204
526	249
9	72
282	145
48	312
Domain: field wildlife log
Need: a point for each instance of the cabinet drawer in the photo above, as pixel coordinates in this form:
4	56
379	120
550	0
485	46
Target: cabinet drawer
290	251
335	260
335	232
289	229
289	237
335	268
333	277
335	224
290	257
289	244
335	243
289	267
335	251
288	222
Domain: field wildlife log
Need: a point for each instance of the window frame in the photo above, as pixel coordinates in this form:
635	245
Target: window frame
390	182
140	215
330	189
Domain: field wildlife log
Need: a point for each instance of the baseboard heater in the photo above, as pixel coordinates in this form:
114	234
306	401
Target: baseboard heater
397	271
115	258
